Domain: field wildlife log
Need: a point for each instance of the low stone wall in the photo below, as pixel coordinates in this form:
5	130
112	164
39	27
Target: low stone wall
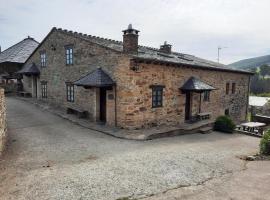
3	126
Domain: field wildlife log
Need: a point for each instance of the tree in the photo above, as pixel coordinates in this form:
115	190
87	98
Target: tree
264	70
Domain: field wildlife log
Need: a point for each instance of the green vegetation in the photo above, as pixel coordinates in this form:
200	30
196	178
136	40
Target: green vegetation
265	144
224	124
251	63
261	94
260	85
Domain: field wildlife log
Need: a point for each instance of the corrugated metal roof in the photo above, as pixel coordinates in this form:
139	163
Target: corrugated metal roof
19	52
97	78
195	84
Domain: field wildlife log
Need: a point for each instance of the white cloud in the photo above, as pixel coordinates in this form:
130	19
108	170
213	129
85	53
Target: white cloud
192	26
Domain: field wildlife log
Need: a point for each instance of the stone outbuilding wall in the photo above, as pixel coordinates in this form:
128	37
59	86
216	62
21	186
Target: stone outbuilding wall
3	129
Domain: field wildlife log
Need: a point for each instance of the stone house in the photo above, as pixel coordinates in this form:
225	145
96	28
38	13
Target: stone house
13	58
132	86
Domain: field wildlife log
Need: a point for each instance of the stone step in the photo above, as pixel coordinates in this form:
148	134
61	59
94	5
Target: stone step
206	130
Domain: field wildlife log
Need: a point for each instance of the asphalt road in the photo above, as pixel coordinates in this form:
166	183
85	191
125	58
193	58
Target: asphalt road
51	158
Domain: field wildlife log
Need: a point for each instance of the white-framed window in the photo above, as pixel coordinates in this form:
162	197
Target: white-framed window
43	59
44	89
69	55
70	92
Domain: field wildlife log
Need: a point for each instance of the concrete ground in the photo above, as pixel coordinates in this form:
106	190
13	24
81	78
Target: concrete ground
51	158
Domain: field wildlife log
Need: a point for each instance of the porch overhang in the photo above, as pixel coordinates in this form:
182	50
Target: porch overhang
196	85
30	69
97	78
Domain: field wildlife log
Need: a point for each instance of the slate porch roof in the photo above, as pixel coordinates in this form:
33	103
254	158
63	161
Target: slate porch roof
195	84
153	54
19	52
29	69
96	78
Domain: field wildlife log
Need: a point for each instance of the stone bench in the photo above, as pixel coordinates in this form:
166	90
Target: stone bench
78	111
24	94
203	116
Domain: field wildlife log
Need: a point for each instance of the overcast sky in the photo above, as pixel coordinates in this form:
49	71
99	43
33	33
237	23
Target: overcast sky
195	27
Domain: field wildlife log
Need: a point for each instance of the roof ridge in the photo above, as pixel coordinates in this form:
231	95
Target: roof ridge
87	35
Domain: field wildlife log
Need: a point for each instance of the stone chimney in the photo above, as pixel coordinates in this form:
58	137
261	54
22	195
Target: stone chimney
166	48
130	40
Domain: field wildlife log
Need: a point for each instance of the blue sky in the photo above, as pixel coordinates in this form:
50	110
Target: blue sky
191	26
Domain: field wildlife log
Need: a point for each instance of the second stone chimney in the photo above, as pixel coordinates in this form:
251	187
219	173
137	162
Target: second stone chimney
130	40
166	48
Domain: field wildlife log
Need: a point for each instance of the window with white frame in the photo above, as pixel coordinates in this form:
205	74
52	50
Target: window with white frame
44	89
43	59
70	92
69	55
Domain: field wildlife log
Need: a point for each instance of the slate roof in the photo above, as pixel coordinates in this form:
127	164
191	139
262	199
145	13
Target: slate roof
153	54
97	78
195	84
19	52
29	69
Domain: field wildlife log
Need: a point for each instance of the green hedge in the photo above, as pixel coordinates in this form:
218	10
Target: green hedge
224	124
265	144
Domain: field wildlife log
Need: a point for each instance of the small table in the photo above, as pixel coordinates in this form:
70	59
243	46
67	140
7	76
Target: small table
253	127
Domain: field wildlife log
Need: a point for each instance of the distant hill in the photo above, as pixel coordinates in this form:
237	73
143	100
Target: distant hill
251	62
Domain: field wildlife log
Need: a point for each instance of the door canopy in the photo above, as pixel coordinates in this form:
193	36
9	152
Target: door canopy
96	78
196	85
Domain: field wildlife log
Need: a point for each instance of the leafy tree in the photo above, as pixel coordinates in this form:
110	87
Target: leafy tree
264	70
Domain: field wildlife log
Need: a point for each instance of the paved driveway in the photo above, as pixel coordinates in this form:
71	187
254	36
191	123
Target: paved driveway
51	158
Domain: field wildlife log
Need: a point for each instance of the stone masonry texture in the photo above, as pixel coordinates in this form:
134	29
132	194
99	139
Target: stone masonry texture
129	103
3	132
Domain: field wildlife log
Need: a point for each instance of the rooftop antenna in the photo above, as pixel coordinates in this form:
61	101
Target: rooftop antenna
219	49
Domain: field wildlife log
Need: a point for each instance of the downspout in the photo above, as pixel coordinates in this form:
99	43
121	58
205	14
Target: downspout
247	106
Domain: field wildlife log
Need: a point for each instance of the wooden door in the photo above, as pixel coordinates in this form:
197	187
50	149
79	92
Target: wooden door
102	105
188	106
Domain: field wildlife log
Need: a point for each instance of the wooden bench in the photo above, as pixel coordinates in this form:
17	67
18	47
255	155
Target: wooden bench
203	116
24	94
78	111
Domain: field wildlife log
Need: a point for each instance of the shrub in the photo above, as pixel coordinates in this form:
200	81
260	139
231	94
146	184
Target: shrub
265	144
224	124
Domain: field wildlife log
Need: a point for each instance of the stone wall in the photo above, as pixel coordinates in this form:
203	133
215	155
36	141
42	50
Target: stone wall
135	96
87	57
2	121
129	104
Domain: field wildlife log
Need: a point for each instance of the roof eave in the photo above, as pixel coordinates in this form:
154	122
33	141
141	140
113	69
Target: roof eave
192	65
